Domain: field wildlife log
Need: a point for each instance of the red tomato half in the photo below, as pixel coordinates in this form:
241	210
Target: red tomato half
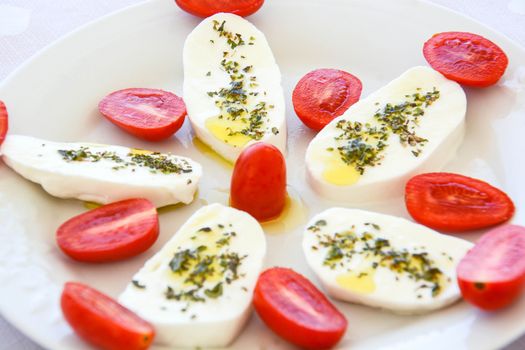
103	322
112	232
149	114
258	184
206	8
324	94
296	310
3	122
467	58
492	274
453	202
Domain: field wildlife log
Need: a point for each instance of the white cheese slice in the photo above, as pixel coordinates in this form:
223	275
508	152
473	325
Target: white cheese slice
102	173
162	289
383	261
230	80
441	123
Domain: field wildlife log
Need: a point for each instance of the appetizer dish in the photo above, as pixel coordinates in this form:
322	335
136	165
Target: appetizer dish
252	226
232	86
412	125
102	173
383	261
197	289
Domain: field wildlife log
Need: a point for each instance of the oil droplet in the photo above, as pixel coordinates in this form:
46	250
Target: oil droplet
222	190
172	207
360	282
91	205
138	151
205	149
295	213
338	172
226	130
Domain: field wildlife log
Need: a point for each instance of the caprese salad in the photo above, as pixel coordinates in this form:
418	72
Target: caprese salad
199	288
232	86
416	121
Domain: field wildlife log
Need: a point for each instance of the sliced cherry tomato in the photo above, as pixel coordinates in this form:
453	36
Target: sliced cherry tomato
111	232
3	122
467	58
453	202
296	310
149	114
206	8
324	94
258	184
492	274
103	322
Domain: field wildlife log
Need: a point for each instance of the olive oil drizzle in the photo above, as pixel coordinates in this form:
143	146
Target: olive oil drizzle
233	99
342	246
198	265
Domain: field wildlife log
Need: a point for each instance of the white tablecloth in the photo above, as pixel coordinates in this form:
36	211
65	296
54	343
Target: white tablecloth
26	26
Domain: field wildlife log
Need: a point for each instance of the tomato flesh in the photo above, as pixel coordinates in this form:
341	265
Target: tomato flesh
111	232
103	322
149	114
206	8
296	310
492	274
3	122
323	95
453	202
467	58
258	184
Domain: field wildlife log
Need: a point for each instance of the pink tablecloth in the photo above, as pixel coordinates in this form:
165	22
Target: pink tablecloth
26	26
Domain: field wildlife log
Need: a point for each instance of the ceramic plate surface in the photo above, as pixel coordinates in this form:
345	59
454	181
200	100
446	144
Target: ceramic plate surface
55	95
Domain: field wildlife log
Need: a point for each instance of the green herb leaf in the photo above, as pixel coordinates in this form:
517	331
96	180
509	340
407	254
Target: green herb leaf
137	284
215	292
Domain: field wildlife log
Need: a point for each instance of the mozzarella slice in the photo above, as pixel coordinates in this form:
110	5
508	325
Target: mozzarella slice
197	289
232	86
383	261
102	173
412	125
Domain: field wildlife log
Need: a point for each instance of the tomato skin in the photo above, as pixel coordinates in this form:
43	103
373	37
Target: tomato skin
103	322
258	184
149	114
272	302
324	94
111	232
206	8
492	274
467	58
455	203
3	122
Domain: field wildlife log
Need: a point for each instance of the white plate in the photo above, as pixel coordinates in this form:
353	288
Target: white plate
55	96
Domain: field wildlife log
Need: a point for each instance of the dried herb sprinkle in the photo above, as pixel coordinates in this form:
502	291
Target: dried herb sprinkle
233	99
138	284
362	145
199	265
156	162
340	247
